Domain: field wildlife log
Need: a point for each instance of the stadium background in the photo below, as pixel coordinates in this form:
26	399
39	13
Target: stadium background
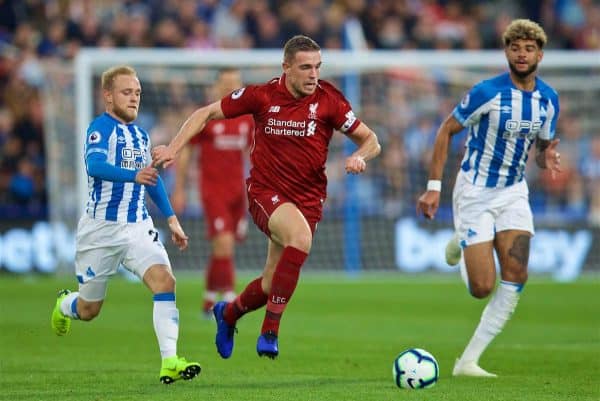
40	41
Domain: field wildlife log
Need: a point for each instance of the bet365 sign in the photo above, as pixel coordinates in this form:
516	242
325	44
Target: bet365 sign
559	253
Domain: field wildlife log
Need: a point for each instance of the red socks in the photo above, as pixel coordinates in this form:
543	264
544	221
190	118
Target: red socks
220	275
284	283
252	298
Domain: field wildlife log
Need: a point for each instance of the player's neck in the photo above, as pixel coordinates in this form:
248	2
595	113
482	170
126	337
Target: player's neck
116	117
526	83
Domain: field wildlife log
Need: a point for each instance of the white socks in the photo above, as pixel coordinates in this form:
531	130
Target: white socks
229	296
68	306
210	296
495	315
166	323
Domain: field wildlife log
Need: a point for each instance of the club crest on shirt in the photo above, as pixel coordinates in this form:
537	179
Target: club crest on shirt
236	94
94	137
312	111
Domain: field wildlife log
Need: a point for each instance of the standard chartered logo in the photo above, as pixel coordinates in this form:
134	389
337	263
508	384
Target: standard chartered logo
287	127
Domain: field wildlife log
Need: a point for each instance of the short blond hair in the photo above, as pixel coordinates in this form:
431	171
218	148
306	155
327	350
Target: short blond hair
108	76
524	29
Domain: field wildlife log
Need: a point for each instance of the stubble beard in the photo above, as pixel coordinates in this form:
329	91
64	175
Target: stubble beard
125	114
522	74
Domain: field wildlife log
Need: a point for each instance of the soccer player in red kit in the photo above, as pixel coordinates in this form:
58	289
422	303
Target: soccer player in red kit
295	117
222	146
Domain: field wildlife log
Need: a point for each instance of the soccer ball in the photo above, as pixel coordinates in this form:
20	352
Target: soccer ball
415	368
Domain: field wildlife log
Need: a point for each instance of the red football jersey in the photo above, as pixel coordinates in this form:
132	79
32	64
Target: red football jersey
292	136
222	144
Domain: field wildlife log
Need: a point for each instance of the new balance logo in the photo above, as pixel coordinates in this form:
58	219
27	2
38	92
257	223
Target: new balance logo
312	126
274	109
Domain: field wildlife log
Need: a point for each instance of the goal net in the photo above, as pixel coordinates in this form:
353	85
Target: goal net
369	221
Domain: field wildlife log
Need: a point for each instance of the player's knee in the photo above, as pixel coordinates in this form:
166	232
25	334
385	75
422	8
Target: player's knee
166	283
481	290
301	241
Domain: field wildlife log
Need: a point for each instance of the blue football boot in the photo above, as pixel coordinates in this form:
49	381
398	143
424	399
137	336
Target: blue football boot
267	345
225	332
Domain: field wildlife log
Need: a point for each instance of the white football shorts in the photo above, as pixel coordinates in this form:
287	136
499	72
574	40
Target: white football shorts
104	245
480	212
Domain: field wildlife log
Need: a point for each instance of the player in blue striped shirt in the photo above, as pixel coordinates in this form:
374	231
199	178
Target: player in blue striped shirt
504	116
116	227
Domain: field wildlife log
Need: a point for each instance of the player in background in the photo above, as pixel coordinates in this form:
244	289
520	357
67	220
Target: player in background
295	116
505	115
116	227
222	146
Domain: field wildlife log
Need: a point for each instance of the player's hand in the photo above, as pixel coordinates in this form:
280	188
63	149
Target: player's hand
428	204
147	176
355	165
162	156
553	158
177	234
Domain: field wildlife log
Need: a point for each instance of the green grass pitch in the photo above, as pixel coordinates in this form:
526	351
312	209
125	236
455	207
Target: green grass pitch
337	342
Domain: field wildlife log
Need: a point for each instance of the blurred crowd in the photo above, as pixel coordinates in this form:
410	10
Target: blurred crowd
33	31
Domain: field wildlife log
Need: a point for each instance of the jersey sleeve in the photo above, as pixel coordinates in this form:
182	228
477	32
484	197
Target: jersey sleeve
472	106
342	117
548	130
245	100
97	137
148	157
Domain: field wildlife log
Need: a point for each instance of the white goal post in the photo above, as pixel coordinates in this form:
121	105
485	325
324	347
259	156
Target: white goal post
386	88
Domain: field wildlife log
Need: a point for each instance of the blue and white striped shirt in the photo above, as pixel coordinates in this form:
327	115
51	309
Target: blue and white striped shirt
503	123
126	146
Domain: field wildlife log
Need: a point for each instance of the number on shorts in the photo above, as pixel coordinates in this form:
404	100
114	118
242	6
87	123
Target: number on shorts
154	233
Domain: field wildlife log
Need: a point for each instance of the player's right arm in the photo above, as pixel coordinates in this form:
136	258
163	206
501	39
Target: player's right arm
165	155
96	158
468	112
99	167
178	199
429	202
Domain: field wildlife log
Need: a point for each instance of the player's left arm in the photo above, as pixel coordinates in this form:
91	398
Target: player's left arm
158	194
368	148
547	155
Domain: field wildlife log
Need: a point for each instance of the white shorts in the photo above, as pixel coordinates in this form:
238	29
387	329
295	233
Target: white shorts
480	212
104	245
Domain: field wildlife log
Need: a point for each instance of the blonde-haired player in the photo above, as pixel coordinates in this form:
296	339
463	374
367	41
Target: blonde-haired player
116	227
